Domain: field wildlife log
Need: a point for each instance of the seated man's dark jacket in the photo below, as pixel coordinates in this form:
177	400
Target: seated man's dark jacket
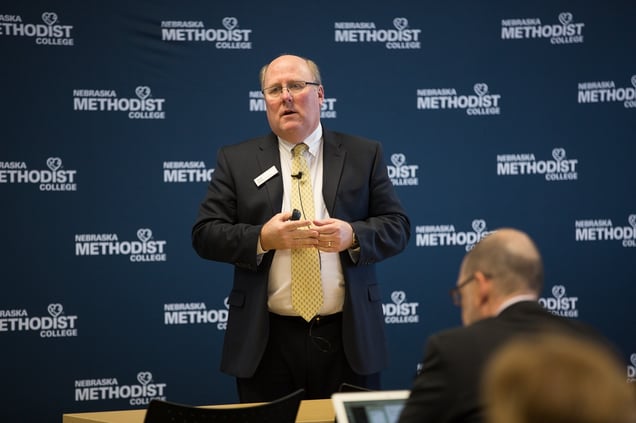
447	387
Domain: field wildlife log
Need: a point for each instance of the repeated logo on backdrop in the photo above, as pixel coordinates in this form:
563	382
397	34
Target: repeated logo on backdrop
195	313
559	169
447	235
608	92
57	324
482	103
402	173
560	304
230	36
184	171
48	33
601	229
144	106
399	311
145	249
565	31
140	392
55	178
399	37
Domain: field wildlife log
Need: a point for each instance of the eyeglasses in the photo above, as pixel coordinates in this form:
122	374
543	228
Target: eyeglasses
456	294
294	87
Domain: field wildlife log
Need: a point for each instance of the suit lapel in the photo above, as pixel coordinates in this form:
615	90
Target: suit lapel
268	156
333	157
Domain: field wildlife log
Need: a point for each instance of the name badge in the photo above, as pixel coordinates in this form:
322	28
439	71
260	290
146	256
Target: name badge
265	176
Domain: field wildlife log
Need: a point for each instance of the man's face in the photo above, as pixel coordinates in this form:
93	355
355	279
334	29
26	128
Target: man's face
469	302
292	116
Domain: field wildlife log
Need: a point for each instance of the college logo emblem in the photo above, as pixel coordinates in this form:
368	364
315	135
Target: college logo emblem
446	235
559	304
400	311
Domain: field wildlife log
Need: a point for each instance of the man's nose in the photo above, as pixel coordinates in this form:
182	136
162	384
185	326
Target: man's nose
286	94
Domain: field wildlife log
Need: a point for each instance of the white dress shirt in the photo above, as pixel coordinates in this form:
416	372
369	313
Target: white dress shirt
279	289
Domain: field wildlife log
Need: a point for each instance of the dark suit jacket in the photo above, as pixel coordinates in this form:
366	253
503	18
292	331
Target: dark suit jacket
356	189
447	388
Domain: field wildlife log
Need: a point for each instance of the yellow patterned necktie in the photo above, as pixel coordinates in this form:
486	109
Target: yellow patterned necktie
306	285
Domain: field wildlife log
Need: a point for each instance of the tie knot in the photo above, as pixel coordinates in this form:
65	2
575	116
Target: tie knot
299	149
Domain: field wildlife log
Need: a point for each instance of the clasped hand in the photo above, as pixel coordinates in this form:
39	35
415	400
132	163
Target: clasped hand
329	235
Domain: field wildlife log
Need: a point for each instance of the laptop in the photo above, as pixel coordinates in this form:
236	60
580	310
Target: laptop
369	406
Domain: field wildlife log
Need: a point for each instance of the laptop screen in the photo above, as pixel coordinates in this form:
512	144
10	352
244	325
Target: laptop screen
369	407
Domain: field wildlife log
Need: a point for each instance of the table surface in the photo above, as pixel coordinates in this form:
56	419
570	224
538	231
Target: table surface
310	411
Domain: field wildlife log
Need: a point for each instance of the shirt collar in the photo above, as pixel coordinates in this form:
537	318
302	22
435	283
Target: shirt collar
514	300
312	141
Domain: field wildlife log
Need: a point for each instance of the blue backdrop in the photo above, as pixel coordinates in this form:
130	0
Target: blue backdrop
491	114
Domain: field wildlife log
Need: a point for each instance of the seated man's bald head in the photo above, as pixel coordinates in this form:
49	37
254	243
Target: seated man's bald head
511	256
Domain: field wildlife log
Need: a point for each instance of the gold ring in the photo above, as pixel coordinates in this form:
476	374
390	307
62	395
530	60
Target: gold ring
329	244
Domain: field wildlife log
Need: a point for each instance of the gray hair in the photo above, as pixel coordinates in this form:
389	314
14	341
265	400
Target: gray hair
313	68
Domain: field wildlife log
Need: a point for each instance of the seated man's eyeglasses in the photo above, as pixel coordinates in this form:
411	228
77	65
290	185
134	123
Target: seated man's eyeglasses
294	87
456	294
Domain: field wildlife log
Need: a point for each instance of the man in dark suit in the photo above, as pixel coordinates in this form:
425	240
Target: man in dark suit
246	220
499	283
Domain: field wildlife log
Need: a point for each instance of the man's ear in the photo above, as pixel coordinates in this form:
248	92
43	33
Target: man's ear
484	287
321	94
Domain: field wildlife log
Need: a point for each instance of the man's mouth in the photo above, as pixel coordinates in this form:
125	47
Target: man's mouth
288	112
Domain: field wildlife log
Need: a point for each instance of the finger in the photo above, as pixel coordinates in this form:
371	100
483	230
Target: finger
306	243
304	233
300	224
324	222
326	244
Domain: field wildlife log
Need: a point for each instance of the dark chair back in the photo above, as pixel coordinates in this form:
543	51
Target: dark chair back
282	410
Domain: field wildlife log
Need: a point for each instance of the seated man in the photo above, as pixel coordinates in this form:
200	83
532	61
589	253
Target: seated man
499	283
